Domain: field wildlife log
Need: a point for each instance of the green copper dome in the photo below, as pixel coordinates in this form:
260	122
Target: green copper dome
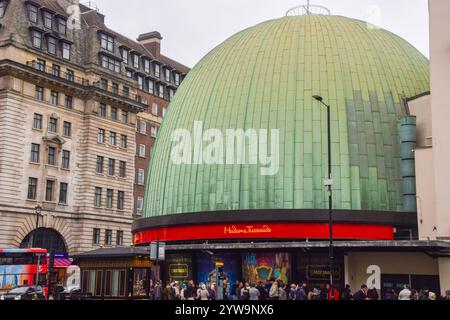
264	78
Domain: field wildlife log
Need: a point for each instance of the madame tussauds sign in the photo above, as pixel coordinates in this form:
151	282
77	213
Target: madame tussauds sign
247	229
232	147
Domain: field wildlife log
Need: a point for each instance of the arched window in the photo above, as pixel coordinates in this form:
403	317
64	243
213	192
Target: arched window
46	239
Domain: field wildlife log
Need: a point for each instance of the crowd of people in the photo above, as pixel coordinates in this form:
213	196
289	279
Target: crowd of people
278	290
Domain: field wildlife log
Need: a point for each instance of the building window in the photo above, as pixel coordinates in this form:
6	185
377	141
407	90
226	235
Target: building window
171	94
124	117
112	138
154	131
157	70
140	205
63	188
120	200
104	84
164	110
115	88
111	64
155	109
99	167
101	136
37	121
113	113
129	74
33	13
161	91
126	92
111	167
141	177
51	45
68	102
54	98
40	93
125	56
142	127
98	197
35	152
56	70
123	141
66	49
177	79
37	39
51	156
65	159
167	75
119	238
70	75
108	237
40	65
136	61
109	198
142	150
2	8
140	82
122	169
48	20
67	129
52	125
146	66
96	236
102	110
62	26
49	190
107	42
151	87
32	188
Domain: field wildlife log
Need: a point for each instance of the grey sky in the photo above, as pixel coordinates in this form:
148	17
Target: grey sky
191	28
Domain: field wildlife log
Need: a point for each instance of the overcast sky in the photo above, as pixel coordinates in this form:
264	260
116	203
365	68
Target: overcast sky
191	28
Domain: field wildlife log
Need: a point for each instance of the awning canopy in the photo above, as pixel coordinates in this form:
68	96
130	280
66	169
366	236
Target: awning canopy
62	263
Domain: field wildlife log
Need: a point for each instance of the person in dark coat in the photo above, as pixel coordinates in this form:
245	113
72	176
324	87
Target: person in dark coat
347	293
372	294
361	294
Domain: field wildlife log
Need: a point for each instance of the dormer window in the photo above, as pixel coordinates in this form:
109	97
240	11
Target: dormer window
107	42
37	39
136	61
146	66
33	13
66	48
48	20
2	8
62	26
157	70
110	63
51	45
125	56
177	79
167	75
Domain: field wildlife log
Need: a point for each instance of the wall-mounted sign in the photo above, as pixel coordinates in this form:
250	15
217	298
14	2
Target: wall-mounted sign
374	279
178	271
322	273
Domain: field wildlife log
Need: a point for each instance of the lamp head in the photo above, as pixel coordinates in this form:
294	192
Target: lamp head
38	209
318	98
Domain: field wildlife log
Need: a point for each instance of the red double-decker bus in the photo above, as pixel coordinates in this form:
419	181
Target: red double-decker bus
23	267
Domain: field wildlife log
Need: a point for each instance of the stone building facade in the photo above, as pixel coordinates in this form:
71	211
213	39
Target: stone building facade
69	101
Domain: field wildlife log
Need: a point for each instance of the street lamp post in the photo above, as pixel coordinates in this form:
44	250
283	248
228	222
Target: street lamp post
329	184
37	211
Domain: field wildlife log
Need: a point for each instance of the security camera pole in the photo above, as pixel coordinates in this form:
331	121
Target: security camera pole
329	184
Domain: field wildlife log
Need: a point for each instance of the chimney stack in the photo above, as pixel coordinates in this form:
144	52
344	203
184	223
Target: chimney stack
152	42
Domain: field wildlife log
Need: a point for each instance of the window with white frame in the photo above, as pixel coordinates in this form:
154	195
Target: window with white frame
136	61
167	75
66	48
142	150
140	204
151	87
125	56
161	91
142	127
140	82
155	109
157	70
141	177
164	110
177	79
147	66
154	131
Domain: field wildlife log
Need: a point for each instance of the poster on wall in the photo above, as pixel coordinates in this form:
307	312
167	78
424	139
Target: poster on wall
178	267
206	267
267	267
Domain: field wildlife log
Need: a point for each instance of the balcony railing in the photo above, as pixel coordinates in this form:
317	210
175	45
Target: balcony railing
57	73
118	92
